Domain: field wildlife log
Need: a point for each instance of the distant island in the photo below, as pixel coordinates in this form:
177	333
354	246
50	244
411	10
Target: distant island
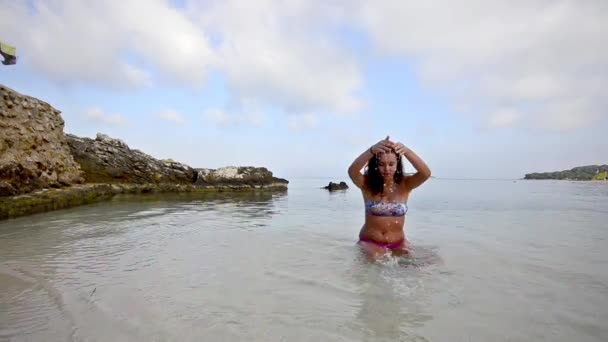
583	173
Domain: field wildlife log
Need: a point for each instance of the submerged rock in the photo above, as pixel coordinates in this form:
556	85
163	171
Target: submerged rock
53	199
335	186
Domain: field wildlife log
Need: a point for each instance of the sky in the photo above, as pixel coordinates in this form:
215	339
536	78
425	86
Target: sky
478	89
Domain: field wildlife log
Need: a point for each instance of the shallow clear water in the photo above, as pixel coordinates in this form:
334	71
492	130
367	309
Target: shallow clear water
492	261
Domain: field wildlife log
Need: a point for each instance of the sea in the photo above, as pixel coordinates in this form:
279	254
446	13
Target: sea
492	260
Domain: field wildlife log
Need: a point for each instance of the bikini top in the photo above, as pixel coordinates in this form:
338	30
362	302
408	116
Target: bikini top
381	208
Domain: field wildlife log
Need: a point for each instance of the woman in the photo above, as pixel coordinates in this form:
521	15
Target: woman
385	192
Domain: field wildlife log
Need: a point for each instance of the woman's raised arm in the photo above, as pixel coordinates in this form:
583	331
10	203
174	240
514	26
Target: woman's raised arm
354	170
424	172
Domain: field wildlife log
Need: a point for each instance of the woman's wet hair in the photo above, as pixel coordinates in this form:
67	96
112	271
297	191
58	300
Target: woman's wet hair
374	180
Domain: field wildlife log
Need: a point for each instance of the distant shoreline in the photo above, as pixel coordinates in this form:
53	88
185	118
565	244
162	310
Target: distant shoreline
580	173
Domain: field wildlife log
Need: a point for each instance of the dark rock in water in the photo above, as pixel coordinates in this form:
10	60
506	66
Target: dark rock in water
335	186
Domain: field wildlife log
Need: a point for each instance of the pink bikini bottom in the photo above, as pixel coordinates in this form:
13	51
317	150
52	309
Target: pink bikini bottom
391	245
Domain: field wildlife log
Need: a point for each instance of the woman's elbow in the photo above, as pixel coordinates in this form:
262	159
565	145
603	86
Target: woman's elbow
351	172
427	173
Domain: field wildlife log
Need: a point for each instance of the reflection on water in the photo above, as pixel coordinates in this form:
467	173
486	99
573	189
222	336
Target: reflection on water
52	264
245	204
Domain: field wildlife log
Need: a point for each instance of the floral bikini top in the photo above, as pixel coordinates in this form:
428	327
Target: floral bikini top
381	208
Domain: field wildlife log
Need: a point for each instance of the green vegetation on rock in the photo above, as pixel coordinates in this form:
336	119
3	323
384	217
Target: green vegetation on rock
53	199
589	172
601	176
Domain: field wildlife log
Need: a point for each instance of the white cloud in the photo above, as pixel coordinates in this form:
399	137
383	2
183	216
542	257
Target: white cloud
70	42
540	62
281	53
540	59
504	117
256	119
222	118
301	122
171	115
568	113
277	53
97	115
219	117
166	37
76	42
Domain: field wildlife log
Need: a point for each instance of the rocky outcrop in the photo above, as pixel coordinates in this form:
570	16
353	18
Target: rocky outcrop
579	173
33	150
108	160
231	176
41	168
336	186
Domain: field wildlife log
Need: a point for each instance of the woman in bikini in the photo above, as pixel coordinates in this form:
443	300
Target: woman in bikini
385	192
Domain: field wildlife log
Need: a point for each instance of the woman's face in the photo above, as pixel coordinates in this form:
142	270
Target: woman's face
387	165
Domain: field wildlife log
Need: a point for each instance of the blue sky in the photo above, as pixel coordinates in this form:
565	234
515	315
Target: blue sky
477	89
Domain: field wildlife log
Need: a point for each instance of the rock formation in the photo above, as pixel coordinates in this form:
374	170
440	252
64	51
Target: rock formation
41	168
108	160
33	150
255	177
335	186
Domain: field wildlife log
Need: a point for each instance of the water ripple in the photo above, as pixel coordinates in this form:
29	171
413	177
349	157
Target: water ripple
488	255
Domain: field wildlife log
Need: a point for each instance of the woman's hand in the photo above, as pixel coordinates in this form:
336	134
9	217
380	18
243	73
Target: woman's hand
382	146
400	148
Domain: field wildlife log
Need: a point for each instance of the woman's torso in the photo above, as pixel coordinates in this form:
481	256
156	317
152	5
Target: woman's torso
384	216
